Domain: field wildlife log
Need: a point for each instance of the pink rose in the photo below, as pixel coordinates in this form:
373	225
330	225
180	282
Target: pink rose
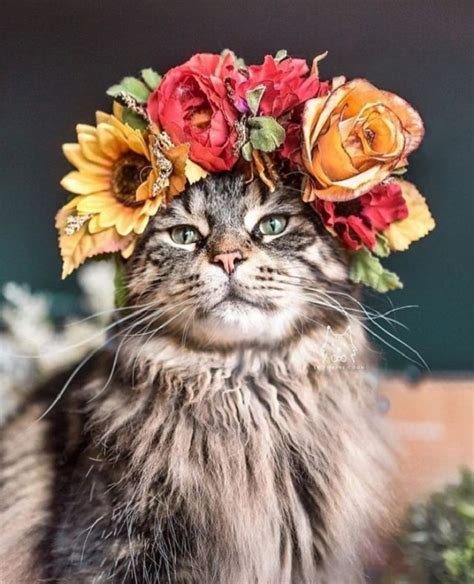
191	104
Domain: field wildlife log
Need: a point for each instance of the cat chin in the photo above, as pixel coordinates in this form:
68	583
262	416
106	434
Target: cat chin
232	323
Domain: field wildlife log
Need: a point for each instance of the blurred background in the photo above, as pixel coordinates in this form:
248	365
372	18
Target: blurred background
59	56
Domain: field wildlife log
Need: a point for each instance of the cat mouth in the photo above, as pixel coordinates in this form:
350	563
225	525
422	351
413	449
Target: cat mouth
234	298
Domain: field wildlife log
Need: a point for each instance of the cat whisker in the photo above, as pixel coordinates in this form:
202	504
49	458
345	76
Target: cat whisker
148	321
86	341
367	310
152	335
127	334
188	325
371	313
395	338
420	362
110	311
375	313
82	363
363	311
317	295
70	379
116	356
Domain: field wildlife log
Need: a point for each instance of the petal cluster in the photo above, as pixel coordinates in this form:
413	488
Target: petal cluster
192	106
354	138
115	189
287	83
357	222
346	141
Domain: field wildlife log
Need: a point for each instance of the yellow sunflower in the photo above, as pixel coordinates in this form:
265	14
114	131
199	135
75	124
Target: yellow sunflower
122	177
113	161
119	186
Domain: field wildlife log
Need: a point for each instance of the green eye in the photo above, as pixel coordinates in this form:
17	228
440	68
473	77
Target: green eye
185	234
273	225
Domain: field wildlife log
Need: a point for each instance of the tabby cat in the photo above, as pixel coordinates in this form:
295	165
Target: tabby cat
210	441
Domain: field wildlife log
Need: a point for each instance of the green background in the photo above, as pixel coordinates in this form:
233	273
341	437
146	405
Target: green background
58	57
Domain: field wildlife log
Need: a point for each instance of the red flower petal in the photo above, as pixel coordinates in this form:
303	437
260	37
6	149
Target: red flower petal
287	84
357	222
383	205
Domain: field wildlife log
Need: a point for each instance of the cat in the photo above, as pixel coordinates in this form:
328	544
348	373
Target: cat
207	442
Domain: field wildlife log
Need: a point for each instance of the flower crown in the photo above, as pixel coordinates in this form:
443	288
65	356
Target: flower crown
347	142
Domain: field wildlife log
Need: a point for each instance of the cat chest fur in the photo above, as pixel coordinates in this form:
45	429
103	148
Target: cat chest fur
239	469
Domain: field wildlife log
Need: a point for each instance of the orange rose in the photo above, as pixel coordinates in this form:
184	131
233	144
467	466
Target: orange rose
354	138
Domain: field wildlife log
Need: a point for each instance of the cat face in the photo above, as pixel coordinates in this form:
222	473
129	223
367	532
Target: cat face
229	263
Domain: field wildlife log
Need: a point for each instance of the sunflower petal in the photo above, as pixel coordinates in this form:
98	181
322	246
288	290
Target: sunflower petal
81	183
125	222
111	141
133	137
109	217
127	252
151	206
145	190
102	117
140	224
85	129
94	226
91	150
73	153
137	143
95	203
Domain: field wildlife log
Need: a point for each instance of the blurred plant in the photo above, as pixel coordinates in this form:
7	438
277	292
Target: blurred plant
438	542
34	345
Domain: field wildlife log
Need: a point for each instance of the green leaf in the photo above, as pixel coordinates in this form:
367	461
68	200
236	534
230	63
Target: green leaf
115	90
151	78
400	171
130	86
247	151
120	282
381	246
134	120
254	97
281	54
366	269
266	134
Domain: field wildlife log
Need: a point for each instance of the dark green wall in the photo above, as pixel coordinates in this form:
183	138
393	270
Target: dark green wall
58	56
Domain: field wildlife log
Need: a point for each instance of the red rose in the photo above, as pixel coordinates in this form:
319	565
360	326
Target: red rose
357	221
287	84
191	104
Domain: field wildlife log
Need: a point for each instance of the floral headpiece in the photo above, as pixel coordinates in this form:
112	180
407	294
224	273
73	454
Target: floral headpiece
347	141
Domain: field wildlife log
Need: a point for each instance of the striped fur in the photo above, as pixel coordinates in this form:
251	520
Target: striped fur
209	443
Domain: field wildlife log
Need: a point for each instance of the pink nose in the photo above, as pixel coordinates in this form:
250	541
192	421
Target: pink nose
228	260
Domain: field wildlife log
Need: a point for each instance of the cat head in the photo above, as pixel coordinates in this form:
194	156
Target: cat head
230	263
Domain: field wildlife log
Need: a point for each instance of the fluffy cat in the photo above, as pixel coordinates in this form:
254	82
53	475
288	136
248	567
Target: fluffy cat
208	442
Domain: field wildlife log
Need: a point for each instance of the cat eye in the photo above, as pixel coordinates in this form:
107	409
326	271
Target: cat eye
273	225
185	234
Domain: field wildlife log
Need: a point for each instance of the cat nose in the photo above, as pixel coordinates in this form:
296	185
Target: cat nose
228	260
